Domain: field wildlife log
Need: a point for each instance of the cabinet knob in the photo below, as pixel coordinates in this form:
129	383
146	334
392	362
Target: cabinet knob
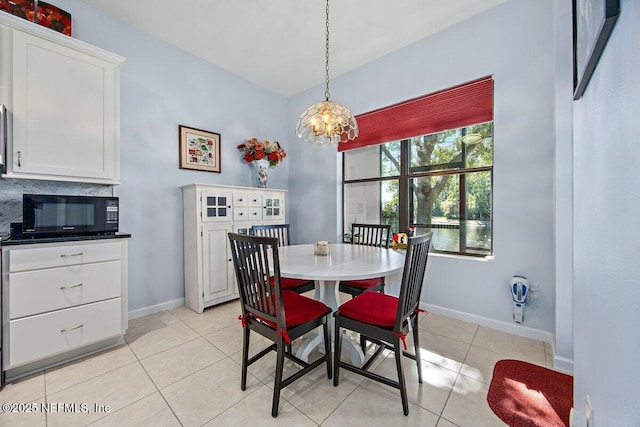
241	214
239	200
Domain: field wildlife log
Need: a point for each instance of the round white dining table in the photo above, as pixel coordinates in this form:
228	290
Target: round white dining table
345	262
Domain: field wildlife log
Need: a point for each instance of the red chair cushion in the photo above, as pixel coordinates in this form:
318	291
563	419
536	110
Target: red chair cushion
288	283
362	283
373	308
298	309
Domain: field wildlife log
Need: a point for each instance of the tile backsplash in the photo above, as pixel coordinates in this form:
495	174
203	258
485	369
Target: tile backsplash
11	192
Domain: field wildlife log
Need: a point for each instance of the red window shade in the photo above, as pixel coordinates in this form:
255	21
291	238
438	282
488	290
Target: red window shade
467	104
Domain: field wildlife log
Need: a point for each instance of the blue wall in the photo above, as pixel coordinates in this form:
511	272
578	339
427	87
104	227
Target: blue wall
163	87
607	231
514	42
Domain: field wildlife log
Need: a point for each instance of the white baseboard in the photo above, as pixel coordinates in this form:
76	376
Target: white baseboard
563	364
141	312
512	328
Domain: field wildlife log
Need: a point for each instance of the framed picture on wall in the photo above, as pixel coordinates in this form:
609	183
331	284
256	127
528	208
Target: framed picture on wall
199	149
593	21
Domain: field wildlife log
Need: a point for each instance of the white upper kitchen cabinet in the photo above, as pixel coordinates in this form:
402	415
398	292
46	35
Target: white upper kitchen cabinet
63	101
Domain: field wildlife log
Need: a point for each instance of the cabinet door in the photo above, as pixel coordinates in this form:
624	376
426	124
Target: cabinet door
243	227
65	113
216	261
273	209
216	206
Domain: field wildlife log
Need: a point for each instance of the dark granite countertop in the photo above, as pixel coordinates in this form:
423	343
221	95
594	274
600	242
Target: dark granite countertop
31	241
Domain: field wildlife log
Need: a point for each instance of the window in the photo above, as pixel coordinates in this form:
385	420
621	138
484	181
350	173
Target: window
432	182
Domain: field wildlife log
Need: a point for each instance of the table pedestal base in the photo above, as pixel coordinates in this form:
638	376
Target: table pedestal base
328	292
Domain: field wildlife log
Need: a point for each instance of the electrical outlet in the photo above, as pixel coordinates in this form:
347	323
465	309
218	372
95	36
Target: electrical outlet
589	413
534	288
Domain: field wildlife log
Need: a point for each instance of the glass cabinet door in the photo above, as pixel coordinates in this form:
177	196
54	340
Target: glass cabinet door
216	206
273	207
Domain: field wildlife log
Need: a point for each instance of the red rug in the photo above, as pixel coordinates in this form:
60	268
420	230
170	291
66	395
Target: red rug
526	395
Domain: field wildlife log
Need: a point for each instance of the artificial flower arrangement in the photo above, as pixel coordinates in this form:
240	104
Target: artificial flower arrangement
262	150
49	16
400	241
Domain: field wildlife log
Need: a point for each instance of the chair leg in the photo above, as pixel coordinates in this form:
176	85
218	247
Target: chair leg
277	386
327	345
245	357
416	342
363	343
401	382
337	351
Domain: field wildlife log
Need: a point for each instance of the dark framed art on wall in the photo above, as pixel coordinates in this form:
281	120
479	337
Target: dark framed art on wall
199	149
593	21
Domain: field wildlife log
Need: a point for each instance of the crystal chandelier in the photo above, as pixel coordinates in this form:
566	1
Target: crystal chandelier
327	121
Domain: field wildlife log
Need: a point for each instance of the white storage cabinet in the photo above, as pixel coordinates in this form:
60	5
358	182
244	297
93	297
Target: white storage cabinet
63	101
61	297
210	213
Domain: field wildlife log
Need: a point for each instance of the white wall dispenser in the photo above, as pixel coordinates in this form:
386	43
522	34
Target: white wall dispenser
519	286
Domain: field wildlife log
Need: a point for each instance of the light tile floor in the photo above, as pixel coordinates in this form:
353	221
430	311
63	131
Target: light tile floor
182	368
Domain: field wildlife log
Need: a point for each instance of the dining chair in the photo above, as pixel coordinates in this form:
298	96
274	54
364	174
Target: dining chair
277	314
368	235
385	320
281	231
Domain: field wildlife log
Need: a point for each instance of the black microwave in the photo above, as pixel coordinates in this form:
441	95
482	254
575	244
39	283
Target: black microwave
51	215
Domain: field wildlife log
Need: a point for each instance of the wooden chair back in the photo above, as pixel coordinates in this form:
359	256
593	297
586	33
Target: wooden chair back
251	260
280	231
370	234
415	266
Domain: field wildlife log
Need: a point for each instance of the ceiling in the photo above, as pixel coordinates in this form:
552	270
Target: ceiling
280	44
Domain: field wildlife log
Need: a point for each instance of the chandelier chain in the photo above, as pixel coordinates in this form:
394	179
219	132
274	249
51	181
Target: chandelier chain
326	91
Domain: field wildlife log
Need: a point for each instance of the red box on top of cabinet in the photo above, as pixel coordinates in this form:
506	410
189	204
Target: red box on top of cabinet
48	15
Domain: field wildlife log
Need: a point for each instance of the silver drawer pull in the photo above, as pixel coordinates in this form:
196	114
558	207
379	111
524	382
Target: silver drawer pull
72	329
62	288
69	255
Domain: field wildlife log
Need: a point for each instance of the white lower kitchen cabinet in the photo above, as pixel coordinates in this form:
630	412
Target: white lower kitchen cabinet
61	299
210	213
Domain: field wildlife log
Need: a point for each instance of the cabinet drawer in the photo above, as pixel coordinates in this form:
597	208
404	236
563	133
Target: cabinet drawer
255	200
247	213
240	214
240	199
37	337
255	214
39	291
247	199
61	256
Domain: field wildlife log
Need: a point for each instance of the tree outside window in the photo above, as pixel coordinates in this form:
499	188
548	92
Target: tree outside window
431	182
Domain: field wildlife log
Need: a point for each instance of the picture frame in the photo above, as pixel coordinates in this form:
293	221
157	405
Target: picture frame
199	149
593	22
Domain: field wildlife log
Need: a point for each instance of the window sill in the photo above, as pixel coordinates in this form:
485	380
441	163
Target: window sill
487	258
